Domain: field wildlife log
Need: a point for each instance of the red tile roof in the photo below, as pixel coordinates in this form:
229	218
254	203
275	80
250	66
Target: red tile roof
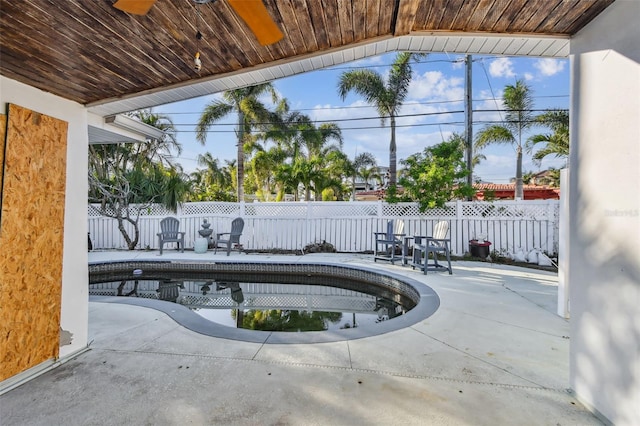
506	191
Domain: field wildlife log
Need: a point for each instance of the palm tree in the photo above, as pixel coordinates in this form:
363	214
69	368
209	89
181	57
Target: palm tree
263	164
287	129
251	112
162	148
314	153
387	96
122	175
518	103
361	162
214	174
305	147
556	143
105	159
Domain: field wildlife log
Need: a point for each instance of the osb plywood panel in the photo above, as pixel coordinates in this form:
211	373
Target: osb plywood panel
3	128
31	239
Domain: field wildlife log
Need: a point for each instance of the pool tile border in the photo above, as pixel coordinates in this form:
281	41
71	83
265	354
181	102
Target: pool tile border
426	298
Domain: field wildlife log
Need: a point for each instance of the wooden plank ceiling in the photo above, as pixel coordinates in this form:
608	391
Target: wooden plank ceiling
88	51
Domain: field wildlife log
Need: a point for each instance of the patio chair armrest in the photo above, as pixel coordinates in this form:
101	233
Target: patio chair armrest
221	234
380	236
438	240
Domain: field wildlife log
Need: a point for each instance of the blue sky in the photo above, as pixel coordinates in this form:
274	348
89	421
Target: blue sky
435	96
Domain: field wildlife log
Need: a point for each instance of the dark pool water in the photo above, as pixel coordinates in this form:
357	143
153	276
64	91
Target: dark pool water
268	302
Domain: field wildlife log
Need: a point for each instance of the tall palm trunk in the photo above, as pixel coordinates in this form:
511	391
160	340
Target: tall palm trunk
392	153
519	194
240	176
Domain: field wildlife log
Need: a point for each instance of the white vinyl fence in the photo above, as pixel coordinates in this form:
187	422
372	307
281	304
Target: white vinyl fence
349	226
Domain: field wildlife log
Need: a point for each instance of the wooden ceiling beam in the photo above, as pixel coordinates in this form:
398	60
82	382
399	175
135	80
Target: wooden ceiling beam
405	16
90	52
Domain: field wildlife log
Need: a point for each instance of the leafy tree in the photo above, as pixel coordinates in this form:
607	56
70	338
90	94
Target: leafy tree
251	114
387	96
124	175
436	175
557	142
518	103
139	187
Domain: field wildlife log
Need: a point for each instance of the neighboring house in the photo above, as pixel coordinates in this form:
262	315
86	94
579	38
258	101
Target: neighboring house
485	192
505	191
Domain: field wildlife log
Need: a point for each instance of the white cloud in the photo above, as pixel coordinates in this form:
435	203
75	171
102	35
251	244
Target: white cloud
368	136
528	76
549	66
501	67
357	109
489	103
413	143
433	85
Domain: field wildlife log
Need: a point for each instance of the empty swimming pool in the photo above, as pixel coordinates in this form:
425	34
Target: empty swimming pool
329	302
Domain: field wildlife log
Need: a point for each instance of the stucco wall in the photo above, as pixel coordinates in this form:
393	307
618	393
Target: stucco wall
604	259
74	315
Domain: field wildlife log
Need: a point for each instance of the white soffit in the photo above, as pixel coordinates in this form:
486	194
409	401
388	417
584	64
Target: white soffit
98	136
119	129
485	44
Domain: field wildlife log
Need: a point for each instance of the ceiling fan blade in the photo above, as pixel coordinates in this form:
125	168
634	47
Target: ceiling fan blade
136	7
257	18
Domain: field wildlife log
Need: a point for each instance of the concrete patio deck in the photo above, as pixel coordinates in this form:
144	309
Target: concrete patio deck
494	353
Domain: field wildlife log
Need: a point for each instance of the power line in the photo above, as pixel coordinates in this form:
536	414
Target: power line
424	114
417	62
490	87
372	106
450	123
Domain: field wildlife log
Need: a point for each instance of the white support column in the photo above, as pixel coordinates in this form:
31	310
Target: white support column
563	246
604	198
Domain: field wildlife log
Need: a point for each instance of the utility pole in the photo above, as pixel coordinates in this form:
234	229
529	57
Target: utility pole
469	121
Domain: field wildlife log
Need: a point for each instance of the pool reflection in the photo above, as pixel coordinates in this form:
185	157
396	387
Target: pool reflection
269	306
